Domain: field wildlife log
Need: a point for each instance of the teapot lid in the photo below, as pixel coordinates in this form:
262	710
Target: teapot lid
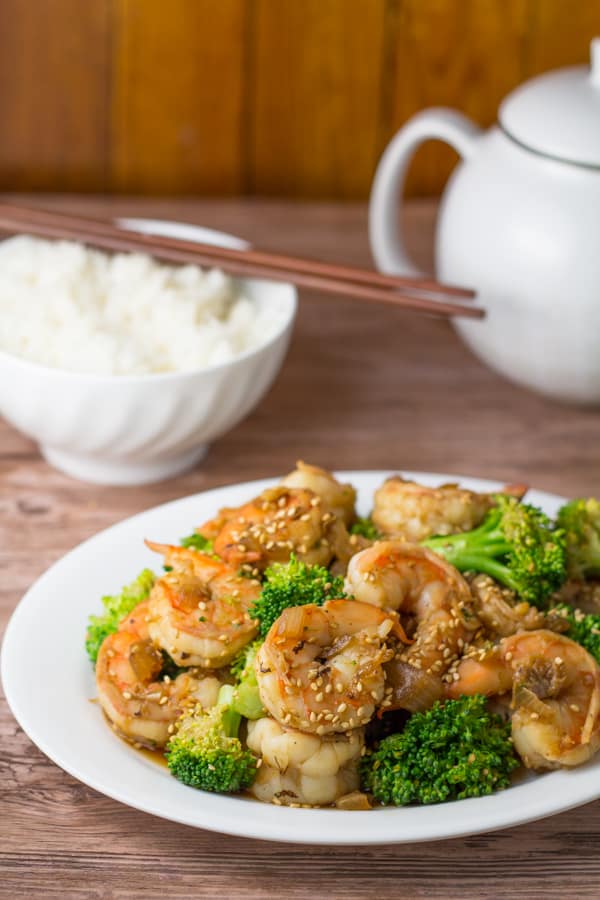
558	114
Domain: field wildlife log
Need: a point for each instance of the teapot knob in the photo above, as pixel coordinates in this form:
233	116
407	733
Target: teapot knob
595	62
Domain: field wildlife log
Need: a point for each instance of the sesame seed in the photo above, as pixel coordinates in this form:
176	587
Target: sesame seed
164	699
127	695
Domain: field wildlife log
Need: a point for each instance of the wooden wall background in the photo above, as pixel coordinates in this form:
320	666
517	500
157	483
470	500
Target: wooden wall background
271	97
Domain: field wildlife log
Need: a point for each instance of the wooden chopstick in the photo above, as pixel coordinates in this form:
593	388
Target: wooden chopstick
272	260
335	279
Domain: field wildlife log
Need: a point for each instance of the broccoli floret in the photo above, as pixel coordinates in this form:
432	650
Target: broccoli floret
454	750
117	607
580	520
197	542
517	544
583	628
365	527
205	751
246	699
293	584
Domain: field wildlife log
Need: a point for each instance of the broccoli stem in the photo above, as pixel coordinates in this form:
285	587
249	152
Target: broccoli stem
518	545
231	718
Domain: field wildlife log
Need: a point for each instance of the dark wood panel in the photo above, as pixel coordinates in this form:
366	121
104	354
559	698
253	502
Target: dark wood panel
317	71
54	64
467	55
276	97
560	34
177	96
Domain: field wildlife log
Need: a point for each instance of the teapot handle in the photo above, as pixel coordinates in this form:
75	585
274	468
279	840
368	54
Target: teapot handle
384	222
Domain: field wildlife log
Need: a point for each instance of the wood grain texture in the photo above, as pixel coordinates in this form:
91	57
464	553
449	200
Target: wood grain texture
316	71
360	388
468	58
177	95
552	34
54	64
272	97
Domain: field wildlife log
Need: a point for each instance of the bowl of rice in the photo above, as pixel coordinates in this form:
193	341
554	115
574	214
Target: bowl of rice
124	369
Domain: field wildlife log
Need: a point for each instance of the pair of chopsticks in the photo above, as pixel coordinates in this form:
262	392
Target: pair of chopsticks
419	294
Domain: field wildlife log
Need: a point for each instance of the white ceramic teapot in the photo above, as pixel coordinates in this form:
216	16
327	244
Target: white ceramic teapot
520	223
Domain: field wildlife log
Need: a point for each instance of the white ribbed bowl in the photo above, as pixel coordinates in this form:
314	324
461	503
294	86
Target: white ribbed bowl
134	429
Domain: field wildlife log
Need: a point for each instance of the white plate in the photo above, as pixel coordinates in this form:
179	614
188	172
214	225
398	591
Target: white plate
48	682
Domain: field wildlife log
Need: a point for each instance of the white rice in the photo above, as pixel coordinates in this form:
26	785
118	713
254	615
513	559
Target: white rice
69	307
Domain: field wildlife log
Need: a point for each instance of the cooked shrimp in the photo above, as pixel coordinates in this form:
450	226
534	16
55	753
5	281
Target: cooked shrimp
281	521
415	512
140	707
415	581
339	498
555	695
501	614
199	612
320	668
302	768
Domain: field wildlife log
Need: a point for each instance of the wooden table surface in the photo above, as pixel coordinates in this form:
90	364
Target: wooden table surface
361	388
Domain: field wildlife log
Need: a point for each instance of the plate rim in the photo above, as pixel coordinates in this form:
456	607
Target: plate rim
314	826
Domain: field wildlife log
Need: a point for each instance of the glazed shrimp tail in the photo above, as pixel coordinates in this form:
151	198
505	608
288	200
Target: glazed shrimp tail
199	611
299	769
142	707
320	668
278	523
432	595
555	695
415	512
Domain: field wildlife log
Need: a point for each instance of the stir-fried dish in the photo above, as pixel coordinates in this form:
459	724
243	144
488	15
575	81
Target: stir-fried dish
310	657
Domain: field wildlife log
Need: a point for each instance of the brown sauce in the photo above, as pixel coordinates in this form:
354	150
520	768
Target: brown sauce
154	756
